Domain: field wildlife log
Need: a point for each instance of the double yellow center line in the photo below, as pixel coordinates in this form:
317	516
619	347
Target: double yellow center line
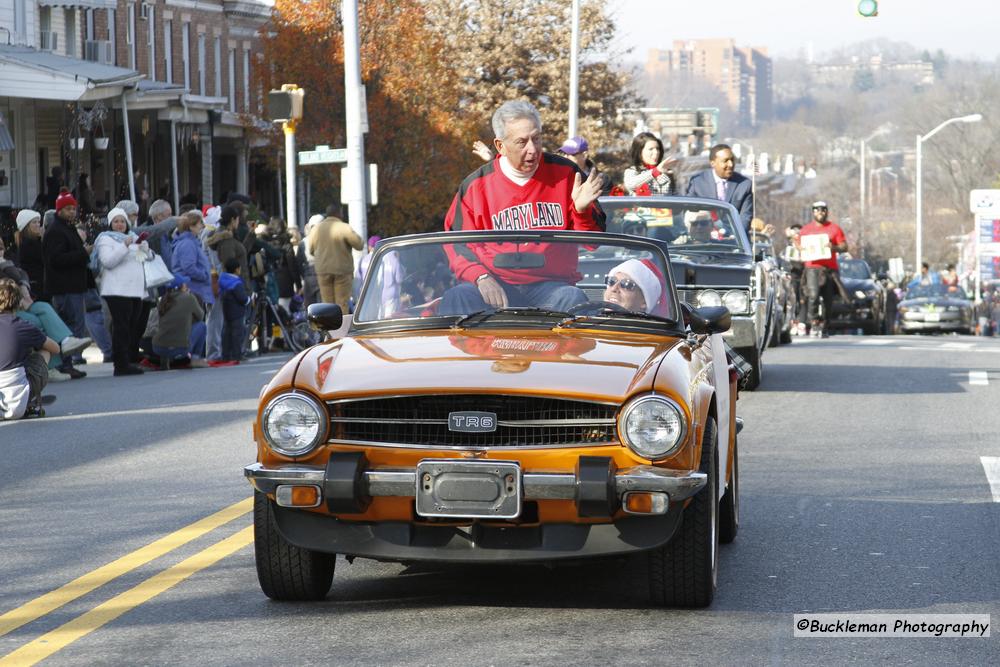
80	626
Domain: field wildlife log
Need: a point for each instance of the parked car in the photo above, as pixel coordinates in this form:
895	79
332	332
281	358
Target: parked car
712	265
781	301
866	309
935	308
432	432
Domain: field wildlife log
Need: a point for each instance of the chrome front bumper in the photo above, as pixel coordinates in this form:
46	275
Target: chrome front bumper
742	332
375	483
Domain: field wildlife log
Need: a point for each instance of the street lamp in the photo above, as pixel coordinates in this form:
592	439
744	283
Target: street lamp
574	69
971	118
863	183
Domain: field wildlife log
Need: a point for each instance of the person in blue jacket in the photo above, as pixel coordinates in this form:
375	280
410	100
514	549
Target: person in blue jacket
233	296
189	259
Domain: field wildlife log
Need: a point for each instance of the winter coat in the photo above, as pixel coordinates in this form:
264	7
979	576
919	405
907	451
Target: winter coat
29	258
331	241
226	245
121	266
65	259
188	259
233	296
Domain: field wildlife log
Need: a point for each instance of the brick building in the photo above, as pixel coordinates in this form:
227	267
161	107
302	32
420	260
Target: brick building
174	77
743	74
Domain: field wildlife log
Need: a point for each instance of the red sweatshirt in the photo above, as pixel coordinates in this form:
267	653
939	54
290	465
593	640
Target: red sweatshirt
488	199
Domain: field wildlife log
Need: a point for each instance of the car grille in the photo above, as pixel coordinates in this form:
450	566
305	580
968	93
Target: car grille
522	421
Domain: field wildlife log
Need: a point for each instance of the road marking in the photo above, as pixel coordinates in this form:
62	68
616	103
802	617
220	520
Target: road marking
875	341
957	346
80	586
991	464
82	625
979	378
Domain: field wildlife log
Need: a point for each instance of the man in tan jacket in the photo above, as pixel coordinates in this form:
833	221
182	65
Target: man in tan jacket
331	241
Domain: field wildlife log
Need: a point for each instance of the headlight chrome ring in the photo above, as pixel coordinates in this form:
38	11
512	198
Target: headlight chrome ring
293	424
653	426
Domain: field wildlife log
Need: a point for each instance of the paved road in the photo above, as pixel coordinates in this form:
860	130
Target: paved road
864	490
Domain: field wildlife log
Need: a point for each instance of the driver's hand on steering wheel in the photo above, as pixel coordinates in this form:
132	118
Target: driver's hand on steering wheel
493	294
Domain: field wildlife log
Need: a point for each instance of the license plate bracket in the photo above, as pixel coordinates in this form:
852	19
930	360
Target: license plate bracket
468	489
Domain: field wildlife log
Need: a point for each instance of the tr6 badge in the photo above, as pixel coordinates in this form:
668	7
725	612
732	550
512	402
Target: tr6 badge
472	422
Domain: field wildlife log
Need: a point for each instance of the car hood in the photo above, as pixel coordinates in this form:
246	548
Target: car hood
605	366
710	268
938	302
863	284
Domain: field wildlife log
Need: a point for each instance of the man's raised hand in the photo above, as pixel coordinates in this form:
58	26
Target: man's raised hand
586	192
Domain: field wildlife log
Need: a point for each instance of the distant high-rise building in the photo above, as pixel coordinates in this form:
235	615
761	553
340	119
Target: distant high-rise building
743	74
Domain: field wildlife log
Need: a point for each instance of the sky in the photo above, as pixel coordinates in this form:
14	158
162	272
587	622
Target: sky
961	28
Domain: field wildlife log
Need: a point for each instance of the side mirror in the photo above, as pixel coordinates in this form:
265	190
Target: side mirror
325	316
710	320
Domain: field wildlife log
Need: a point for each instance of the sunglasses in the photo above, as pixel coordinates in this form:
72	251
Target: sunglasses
626	284
820	208
701	223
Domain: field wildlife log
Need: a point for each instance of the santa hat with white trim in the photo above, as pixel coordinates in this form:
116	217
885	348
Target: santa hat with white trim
647	276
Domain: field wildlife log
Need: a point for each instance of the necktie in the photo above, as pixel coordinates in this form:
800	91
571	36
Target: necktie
721	188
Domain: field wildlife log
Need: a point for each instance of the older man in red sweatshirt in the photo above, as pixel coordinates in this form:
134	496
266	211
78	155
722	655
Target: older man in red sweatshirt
522	189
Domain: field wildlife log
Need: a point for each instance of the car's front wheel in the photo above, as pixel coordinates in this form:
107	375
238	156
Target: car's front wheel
285	571
684	572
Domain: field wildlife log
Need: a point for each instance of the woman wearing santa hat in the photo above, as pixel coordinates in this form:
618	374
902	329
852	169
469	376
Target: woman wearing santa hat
636	285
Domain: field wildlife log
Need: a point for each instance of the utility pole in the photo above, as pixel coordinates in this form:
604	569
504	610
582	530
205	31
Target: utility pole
355	197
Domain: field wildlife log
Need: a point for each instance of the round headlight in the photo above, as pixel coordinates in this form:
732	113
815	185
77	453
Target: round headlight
709	298
653	426
293	424
859	294
737	301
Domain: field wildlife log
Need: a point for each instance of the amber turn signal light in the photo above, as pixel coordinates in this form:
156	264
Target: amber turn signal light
288	495
645	502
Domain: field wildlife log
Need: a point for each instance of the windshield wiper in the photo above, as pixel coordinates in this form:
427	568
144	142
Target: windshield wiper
483	315
611	313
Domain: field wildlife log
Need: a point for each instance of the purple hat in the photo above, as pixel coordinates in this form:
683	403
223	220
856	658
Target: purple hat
372	240
574	145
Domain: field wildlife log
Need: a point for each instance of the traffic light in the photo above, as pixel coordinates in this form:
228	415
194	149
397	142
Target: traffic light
285	104
868	8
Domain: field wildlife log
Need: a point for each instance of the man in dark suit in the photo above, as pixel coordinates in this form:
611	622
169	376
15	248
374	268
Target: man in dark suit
722	182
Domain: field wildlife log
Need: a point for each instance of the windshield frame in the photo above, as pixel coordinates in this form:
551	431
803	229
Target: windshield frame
665	201
665	326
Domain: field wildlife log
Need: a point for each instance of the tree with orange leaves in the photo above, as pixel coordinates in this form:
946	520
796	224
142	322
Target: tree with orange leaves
415	136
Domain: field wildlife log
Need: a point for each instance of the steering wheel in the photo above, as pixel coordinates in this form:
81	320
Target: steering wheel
596	307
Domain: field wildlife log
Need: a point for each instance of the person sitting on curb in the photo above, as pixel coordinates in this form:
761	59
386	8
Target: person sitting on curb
180	328
24	357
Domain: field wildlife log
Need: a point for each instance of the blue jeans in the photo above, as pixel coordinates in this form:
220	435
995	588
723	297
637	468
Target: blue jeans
44	316
465	298
197	339
213	333
97	323
72	310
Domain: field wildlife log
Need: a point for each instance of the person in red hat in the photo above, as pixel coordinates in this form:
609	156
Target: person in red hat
636	285
65	258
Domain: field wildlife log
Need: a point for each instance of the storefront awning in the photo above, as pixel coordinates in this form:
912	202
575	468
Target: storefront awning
80	4
43	75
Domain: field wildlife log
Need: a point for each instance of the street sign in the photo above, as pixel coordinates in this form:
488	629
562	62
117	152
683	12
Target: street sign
985	202
323	155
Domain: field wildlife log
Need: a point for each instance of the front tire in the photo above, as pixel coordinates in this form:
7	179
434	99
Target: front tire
684	572
285	571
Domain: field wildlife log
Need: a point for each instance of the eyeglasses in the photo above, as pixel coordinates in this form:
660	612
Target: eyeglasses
820	208
626	284
701	223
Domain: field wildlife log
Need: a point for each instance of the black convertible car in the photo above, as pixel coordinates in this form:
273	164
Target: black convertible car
711	260
865	308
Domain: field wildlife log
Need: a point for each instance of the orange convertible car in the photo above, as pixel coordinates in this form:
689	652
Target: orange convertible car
500	397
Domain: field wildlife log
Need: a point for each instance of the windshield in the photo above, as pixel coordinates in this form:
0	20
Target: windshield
930	291
428	281
855	268
692	225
